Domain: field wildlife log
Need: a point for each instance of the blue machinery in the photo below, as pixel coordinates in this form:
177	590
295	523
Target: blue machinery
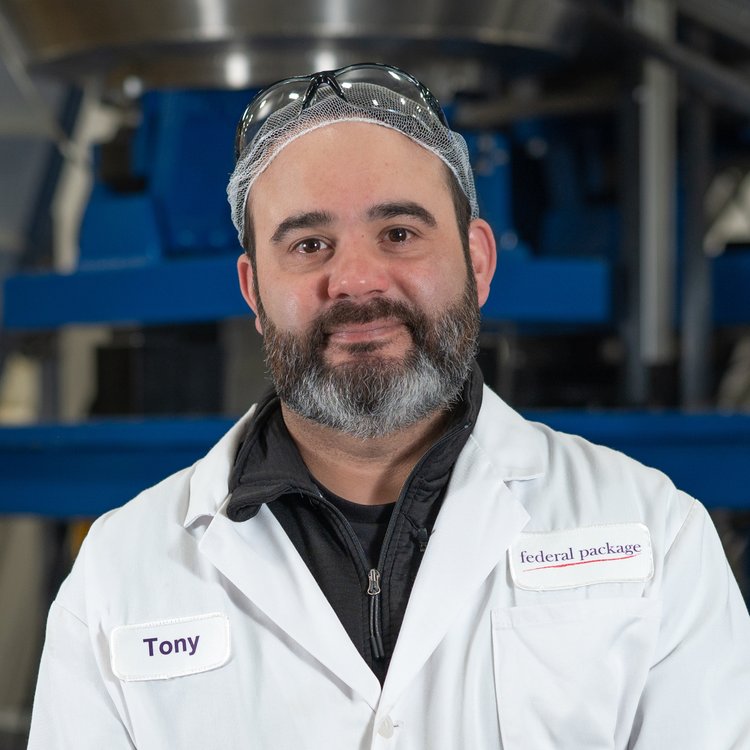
165	253
161	250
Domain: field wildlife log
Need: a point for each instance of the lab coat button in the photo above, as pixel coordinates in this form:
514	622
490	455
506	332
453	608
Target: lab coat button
386	728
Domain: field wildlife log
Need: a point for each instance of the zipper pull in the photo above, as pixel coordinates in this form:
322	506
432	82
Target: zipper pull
376	636
373	588
423	537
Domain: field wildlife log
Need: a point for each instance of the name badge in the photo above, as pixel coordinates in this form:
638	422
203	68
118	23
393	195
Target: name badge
170	648
614	553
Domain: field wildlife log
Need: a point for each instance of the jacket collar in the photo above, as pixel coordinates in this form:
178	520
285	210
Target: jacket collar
269	465
516	449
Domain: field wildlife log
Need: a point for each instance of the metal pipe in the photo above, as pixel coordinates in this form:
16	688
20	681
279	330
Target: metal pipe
627	292
599	96
657	191
717	83
728	17
695	343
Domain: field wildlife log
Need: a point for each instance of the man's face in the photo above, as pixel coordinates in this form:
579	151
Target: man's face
364	293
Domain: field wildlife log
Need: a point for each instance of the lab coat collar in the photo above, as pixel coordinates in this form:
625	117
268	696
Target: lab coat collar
209	484
516	448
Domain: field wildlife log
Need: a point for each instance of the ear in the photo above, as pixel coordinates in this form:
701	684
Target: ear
246	277
483	253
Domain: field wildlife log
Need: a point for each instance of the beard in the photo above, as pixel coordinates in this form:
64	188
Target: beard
373	395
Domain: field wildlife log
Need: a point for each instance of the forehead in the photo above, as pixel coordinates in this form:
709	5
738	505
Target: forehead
349	160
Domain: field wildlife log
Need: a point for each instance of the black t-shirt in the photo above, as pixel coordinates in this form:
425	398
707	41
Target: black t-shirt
370	522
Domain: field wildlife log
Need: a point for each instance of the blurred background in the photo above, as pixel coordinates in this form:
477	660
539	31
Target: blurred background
611	144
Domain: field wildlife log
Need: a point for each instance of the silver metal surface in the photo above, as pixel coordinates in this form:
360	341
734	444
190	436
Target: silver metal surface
229	43
597	95
728	17
657	190
718	83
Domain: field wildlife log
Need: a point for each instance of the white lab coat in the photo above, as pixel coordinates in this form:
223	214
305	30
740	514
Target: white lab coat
480	662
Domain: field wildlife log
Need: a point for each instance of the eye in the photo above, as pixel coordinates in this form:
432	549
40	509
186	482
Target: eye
398	235
310	246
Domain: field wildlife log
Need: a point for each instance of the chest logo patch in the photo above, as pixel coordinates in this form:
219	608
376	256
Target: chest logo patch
569	558
170	648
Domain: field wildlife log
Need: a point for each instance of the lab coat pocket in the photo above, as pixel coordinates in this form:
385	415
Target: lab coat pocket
569	674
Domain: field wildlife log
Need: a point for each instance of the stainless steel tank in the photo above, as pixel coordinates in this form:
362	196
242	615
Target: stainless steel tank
231	44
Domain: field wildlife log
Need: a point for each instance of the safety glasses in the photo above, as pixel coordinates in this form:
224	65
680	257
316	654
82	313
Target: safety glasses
303	89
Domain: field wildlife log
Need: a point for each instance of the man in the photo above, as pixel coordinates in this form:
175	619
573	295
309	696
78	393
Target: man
382	553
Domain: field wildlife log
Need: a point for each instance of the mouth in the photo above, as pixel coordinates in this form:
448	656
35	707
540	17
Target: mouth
372	331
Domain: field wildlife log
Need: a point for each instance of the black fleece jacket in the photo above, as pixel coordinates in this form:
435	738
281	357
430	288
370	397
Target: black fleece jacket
370	602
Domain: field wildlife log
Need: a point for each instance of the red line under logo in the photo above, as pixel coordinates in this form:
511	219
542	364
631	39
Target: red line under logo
583	562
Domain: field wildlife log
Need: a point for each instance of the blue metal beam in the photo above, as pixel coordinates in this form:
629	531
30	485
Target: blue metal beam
536	290
731	287
551	290
180	291
705	454
84	470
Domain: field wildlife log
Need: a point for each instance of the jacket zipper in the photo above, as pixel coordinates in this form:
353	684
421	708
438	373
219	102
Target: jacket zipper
373	575
376	635
373	581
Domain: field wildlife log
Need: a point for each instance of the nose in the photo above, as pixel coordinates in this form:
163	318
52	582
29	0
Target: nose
357	271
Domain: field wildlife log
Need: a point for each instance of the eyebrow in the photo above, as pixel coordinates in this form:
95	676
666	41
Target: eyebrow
390	210
304	220
401	208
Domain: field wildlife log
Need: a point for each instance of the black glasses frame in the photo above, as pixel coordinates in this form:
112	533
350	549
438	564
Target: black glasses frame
329	78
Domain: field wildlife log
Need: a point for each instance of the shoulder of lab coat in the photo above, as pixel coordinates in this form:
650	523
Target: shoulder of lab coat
158	518
577	483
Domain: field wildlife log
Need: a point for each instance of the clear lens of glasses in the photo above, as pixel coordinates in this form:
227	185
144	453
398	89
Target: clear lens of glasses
306	89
